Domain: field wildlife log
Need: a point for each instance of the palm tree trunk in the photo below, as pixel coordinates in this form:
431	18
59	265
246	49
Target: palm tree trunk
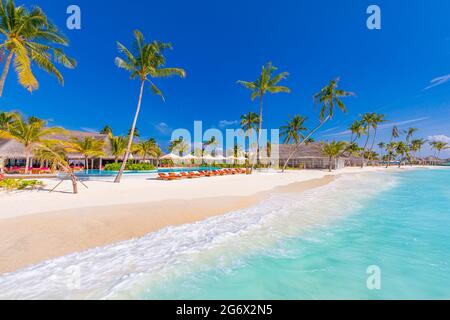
130	139
303	141
86	163
258	159
27	162
365	147
330	166
74	183
5	72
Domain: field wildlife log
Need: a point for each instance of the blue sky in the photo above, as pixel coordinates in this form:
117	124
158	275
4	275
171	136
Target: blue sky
220	42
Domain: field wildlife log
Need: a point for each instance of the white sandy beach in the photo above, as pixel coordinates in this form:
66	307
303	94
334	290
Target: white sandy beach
39	225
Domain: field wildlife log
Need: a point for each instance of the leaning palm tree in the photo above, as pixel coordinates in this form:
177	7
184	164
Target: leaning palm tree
266	82
329	97
29	132
88	147
174	144
29	37
395	133
145	64
390	152
55	153
333	150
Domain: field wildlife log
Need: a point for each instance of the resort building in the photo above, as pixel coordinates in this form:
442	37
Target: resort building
308	156
12	153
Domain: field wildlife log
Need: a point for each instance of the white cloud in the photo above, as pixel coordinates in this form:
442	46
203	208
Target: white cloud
227	123
439	137
438	81
163	128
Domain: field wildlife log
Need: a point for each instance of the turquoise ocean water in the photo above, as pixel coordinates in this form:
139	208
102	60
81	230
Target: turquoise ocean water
317	244
404	230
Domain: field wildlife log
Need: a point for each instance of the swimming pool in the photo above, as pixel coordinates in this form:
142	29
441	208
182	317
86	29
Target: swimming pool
106	173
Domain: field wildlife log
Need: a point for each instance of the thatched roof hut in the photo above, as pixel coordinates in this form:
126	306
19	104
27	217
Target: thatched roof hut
308	156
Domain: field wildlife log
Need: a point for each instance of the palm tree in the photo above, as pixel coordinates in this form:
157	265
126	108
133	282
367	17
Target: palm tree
328	97
292	131
390	148
29	36
6	118
416	146
249	122
368	120
88	147
402	150
135	133
395	133
29	132
174	144
266	82
378	119
106	130
145	64
333	150
357	129
118	147
55	153
438	146
145	148
409	133
382	145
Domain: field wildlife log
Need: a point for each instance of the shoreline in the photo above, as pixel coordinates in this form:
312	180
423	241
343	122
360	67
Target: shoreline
30	238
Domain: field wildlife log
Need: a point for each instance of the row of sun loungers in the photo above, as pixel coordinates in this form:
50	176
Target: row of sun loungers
198	174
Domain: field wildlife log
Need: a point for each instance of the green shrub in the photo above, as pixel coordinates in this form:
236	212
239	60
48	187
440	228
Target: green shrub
20	184
129	166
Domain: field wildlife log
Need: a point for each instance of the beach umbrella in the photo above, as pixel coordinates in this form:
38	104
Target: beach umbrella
189	157
208	158
170	156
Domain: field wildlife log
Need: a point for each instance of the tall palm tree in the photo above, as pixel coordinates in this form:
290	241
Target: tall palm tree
88	147
106	130
329	97
266	82
29	132
118	147
293	130
333	150
29	37
381	146
378	119
145	64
